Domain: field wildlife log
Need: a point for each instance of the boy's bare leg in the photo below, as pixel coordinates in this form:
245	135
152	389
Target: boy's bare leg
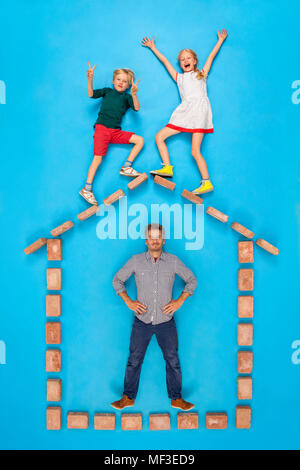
93	168
138	142
127	169
87	192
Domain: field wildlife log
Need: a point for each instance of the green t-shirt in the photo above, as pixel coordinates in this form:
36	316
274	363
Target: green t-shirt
114	106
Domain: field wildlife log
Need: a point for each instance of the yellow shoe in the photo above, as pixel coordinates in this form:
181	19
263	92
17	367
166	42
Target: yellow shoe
167	170
205	187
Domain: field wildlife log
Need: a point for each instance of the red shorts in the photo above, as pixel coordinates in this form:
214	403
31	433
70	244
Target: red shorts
104	136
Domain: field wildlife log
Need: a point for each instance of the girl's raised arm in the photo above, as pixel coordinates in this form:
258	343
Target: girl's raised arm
221	38
150	43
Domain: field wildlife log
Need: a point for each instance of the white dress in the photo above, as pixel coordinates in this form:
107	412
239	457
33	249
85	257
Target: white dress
194	113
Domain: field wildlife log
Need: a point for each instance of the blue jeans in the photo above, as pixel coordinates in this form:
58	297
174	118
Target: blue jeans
166	335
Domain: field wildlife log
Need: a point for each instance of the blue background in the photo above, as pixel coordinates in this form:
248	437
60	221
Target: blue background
253	157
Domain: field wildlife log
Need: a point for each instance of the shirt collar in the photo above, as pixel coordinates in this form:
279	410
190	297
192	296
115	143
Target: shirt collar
162	256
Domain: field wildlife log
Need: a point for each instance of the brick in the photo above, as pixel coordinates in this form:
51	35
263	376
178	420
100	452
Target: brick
77	420
54	389
164	182
246	279
54	279
137	181
105	421
245	362
159	422
245	334
245	252
267	246
245	306
113	197
191	197
53	360
53	305
54	249
243	417
35	246
242	230
53	333
217	214
53	418
88	213
187	421
131	421
244	388
216	420
62	228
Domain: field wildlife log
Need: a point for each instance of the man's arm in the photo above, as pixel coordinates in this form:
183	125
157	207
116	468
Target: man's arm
119	285
187	275
190	285
122	275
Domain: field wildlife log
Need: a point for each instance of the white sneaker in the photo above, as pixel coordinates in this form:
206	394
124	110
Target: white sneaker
88	196
129	171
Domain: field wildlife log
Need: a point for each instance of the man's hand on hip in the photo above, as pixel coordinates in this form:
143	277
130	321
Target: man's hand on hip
134	305
172	306
137	307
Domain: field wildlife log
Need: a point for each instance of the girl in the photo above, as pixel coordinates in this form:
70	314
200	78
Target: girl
194	113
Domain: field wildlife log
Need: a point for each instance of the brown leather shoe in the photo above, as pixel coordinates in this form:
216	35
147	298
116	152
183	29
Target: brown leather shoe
182	404
123	403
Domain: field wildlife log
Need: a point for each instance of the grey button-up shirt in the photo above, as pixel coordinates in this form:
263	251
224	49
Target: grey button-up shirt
154	281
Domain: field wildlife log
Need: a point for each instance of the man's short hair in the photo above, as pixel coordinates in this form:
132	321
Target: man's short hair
154	226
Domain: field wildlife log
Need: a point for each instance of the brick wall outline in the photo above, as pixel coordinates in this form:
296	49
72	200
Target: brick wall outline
218	215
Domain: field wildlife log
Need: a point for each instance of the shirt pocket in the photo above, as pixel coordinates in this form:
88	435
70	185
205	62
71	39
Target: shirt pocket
166	281
142	279
166	278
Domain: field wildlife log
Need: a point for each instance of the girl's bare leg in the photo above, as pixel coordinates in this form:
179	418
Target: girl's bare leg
160	138
93	168
196	147
138	142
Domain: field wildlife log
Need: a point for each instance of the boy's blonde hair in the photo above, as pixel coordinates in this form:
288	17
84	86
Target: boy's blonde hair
128	72
193	53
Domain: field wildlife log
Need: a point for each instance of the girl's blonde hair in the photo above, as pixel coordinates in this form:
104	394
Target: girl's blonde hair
128	72
193	53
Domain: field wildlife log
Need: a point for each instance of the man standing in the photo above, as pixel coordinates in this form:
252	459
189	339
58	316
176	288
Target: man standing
154	273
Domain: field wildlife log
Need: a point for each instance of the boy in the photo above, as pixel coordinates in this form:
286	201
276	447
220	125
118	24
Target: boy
115	103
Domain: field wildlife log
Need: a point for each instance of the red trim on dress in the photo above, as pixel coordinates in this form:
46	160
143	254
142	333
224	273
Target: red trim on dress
183	129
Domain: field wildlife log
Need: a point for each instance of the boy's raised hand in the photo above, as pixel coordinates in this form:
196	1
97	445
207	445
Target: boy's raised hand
134	87
148	42
223	34
90	71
